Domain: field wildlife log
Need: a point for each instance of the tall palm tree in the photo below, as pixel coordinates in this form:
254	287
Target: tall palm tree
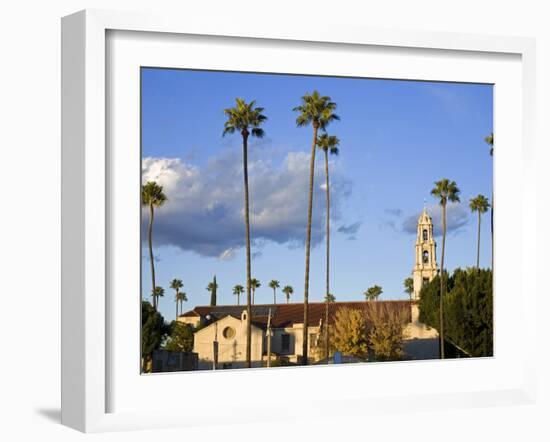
288	290
254	284
152	196
246	119
445	191
318	111
329	298
157	293
408	284
176	284
490	141
373	293
479	204
238	290
274	284
328	144
181	297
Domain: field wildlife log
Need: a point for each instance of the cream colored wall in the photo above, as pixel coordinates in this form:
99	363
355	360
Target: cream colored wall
230	350
419	340
191	320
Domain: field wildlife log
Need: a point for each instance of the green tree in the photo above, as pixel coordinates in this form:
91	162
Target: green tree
274	284
152	196
156	294
330	298
254	284
176	284
468	310
181	337
238	290
212	287
445	191
246	119
373	293
288	290
479	204
318	111
408	284
153	332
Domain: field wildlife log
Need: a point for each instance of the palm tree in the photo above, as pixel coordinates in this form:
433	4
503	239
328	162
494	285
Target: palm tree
328	144
479	204
373	293
408	283
254	284
176	284
182	297
318	111
158	292
246	119
329	298
152	196
445	191
288	290
490	141
212	287
274	284
238	290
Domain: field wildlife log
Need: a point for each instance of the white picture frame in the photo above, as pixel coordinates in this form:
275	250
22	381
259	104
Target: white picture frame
85	233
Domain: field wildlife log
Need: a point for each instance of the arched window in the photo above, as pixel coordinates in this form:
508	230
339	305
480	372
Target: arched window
425	257
424	235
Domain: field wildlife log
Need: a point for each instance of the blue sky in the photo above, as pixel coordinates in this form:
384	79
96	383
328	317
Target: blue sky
397	138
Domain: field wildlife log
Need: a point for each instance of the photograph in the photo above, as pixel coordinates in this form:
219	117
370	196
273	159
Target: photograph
305	220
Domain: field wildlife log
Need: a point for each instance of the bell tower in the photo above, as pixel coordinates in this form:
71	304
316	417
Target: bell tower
425	268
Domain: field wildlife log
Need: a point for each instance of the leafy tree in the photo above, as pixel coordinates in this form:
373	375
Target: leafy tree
288	290
153	332
373	293
330	298
479	204
176	284
212	287
408	284
468	309
489	139
350	332
385	332
181	337
152	196
444	191
238	290
254	284
274	284
246	119
318	111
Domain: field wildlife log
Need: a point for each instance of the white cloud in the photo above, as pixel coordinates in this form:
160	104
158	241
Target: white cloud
204	212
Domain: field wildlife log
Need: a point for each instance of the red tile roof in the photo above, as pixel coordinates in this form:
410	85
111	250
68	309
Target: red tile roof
286	315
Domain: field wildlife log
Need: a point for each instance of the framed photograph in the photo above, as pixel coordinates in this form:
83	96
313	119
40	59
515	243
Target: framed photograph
271	210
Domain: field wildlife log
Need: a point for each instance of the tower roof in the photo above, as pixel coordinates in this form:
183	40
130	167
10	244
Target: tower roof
424	218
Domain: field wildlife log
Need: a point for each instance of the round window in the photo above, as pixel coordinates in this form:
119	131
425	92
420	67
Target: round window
228	332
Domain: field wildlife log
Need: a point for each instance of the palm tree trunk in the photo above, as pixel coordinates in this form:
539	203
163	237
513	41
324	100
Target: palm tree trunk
492	238
151	258
328	256
442	285
478	236
308	242
274	297
248	266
